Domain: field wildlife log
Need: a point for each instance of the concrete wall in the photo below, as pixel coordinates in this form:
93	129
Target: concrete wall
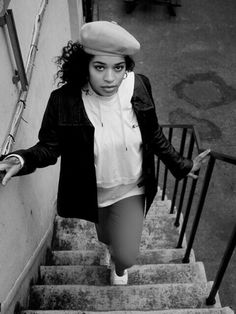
27	203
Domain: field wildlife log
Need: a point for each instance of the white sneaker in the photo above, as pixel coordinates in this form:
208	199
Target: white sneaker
118	280
105	256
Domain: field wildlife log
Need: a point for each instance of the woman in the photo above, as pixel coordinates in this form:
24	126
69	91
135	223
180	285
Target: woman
102	122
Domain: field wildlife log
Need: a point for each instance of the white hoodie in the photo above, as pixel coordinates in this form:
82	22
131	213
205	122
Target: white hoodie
117	143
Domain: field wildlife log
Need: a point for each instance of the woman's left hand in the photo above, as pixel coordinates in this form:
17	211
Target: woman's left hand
197	162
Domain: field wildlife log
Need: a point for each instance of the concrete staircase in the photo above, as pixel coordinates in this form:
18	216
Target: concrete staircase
74	282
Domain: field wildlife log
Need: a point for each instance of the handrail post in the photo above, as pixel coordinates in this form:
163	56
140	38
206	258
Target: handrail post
207	179
223	266
157	165
166	169
182	195
177	223
174	196
187	213
182	145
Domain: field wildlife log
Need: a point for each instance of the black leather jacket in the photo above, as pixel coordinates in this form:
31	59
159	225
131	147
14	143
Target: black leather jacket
66	131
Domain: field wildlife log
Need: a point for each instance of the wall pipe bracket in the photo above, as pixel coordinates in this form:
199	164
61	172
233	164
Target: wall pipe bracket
20	75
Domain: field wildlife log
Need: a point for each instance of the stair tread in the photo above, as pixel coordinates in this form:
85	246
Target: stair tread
106	298
138	274
157	233
74	225
91	257
224	310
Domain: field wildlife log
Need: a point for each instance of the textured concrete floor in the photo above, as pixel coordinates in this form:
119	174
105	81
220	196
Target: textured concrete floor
191	62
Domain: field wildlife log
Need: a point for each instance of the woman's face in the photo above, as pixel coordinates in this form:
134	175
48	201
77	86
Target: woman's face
106	74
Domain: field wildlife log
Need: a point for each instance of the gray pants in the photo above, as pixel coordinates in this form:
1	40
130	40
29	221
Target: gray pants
120	226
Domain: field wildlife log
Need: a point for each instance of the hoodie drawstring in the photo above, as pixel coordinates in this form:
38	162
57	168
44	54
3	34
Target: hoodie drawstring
100	113
122	123
121	120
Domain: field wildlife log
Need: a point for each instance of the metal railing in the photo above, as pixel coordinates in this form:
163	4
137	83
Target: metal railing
190	143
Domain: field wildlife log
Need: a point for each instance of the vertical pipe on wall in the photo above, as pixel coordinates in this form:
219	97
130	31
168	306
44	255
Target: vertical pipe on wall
21	103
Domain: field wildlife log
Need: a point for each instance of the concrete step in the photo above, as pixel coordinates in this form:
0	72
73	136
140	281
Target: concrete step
75	234
160	232
138	275
159	256
225	310
160	208
122	298
74	225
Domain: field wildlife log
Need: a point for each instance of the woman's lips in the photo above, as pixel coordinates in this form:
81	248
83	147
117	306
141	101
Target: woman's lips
109	88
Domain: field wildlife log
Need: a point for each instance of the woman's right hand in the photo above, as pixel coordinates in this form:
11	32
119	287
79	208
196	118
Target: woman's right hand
8	168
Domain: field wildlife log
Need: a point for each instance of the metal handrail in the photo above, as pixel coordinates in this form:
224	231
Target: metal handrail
194	142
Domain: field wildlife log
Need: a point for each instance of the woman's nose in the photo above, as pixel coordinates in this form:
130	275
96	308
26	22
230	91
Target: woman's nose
109	76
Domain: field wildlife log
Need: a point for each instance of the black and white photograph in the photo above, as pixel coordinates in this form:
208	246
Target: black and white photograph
117	156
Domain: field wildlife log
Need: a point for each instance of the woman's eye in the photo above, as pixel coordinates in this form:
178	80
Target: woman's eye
99	68
119	68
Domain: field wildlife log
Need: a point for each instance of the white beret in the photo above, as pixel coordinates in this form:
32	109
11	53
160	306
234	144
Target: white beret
107	38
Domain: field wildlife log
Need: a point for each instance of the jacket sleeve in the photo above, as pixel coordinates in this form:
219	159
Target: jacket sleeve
178	165
47	150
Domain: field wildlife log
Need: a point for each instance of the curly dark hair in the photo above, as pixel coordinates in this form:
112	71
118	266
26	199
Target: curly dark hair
73	65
